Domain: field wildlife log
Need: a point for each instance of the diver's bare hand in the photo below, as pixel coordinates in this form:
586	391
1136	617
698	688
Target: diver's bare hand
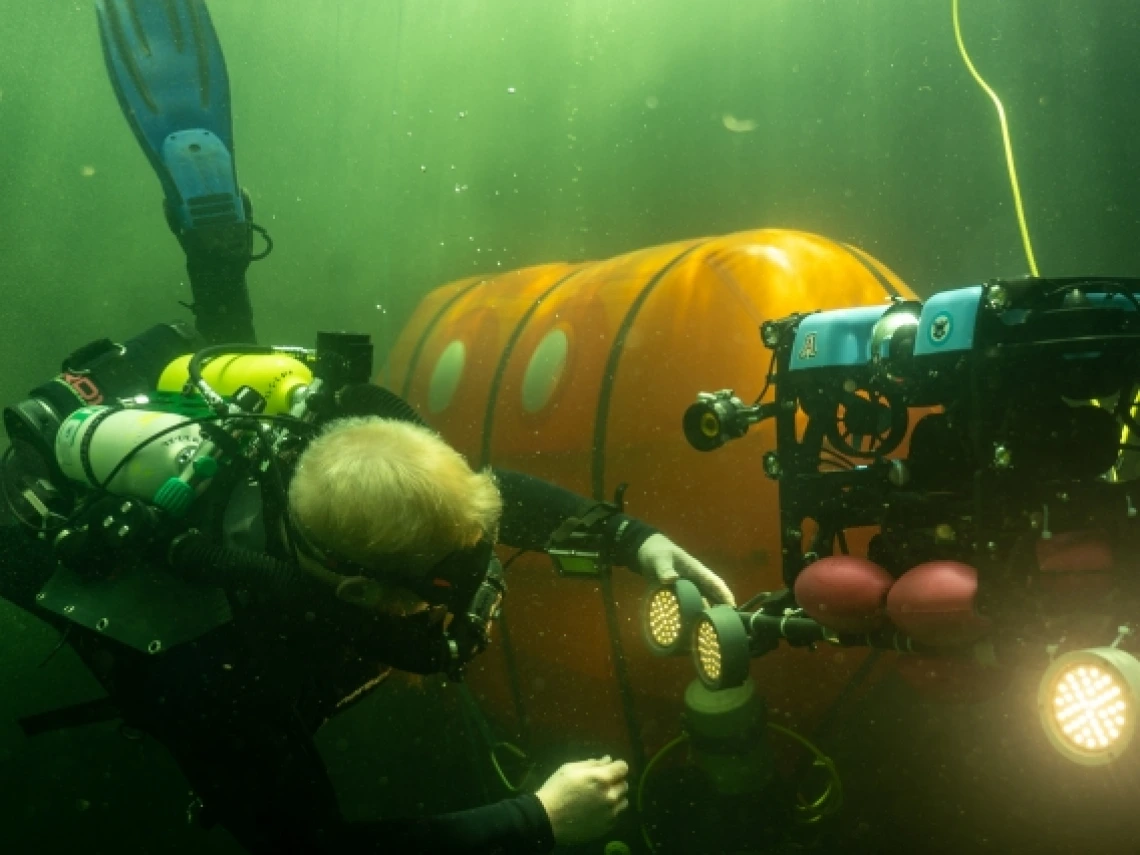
661	559
583	799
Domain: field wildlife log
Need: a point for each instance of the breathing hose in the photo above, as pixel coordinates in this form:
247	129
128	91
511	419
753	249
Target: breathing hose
202	562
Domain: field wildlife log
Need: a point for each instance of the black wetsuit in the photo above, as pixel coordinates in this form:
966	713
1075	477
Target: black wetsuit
238	707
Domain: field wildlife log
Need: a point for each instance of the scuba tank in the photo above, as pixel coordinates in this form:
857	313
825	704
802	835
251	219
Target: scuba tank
95	442
279	378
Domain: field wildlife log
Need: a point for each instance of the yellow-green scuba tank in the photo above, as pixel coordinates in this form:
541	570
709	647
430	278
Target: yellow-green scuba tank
277	377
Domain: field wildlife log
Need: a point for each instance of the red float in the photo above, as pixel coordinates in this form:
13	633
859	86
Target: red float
845	593
933	603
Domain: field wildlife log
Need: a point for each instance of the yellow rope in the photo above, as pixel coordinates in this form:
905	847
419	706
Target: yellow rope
1005	139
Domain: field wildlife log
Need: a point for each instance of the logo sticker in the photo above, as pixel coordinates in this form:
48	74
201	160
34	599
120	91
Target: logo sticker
84	387
940	328
808	351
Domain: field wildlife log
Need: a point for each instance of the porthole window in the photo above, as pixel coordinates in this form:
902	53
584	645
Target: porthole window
544	370
446	376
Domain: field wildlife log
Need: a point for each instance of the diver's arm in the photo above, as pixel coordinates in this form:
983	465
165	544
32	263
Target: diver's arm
257	772
533	509
518	826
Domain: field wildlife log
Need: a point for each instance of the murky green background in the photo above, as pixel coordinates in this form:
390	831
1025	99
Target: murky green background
393	145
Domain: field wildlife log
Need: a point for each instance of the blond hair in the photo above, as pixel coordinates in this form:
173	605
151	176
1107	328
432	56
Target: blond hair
370	488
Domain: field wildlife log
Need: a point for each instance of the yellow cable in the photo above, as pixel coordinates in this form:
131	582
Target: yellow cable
1013	177
1005	139
1125	435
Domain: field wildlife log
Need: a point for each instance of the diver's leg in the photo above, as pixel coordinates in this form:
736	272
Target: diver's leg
166	65
260	777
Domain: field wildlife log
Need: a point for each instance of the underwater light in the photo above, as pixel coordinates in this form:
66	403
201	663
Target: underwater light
1088	704
668	616
720	648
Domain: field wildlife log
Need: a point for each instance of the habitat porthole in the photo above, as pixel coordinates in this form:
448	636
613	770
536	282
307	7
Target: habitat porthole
544	370
446	376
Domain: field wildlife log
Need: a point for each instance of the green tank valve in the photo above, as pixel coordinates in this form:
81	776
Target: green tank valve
174	497
205	467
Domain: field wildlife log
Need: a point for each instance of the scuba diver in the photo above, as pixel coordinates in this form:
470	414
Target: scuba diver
241	541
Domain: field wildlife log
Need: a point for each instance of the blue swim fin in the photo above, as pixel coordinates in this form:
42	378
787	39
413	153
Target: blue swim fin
170	77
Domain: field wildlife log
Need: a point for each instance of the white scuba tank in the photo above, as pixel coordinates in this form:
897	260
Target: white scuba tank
93	440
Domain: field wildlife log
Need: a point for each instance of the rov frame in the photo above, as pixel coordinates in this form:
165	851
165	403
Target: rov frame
1024	392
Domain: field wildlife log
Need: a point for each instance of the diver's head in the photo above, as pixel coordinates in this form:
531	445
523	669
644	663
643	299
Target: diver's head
390	498
395	518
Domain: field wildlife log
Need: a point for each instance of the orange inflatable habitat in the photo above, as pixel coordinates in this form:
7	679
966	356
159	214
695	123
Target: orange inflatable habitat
580	373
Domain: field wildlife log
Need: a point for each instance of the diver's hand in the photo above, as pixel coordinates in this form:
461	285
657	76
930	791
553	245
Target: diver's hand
583	799
663	560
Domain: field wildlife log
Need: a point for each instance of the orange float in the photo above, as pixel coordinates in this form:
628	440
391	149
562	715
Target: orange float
580	374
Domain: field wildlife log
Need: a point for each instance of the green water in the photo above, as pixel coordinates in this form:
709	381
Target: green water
393	145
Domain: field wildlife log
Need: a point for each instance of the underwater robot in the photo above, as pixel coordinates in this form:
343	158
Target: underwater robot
1006	527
